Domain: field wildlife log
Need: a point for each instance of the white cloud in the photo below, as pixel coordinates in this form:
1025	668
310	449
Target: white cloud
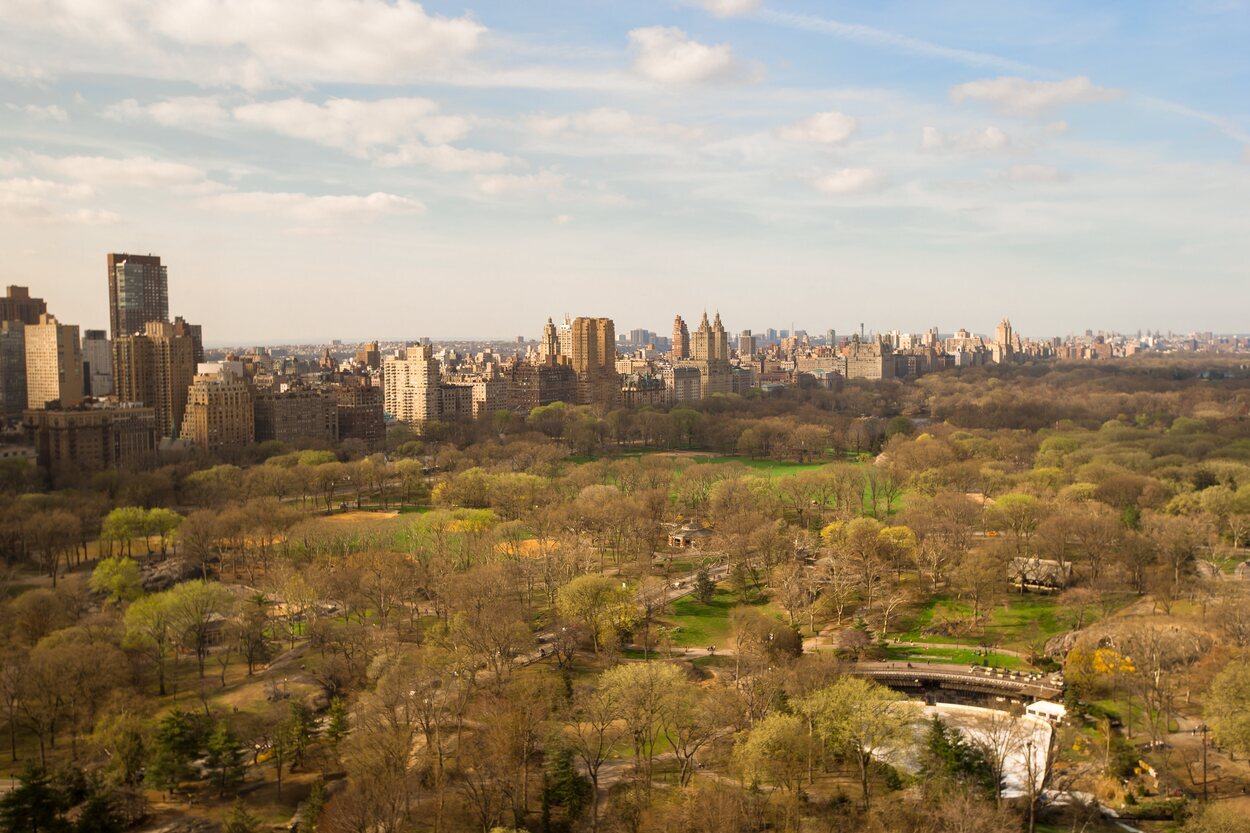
38	200
42	111
1035	173
1021	96
850	181
355	126
611	122
989	140
727	8
446	158
313	208
180	111
823	128
21	74
137	171
667	55
499	184
9	166
562	219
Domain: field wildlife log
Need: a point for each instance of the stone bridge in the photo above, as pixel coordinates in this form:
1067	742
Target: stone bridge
923	677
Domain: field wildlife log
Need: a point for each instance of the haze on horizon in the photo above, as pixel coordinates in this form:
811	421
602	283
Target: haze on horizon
341	168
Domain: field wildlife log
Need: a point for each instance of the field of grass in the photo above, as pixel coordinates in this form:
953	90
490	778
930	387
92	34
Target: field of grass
955	656
1016	622
699	625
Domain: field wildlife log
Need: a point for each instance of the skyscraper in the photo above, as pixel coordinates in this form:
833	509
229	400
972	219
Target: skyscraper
138	293
155	368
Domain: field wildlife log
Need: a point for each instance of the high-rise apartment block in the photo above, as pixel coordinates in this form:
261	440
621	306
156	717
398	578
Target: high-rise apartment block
138	293
594	361
709	352
97	358
361	413
300	415
681	340
156	367
410	385
219	412
17	305
53	364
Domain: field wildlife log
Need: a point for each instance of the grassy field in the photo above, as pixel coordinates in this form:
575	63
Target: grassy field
956	656
1017	622
699	625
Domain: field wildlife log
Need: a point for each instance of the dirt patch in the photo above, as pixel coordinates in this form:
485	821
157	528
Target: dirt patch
357	517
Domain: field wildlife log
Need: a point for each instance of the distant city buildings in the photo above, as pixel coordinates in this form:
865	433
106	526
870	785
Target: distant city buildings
92	437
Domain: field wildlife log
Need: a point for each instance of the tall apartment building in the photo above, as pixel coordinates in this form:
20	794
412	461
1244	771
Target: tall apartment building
300	415
97	359
92	437
138	292
681	340
156	368
593	359
17	305
709	352
12	369
410	383
361	413
564	337
219	413
53	363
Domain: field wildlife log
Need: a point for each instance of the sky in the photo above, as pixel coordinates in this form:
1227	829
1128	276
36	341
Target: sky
390	169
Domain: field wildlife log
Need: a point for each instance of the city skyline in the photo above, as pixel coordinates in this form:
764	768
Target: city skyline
449	169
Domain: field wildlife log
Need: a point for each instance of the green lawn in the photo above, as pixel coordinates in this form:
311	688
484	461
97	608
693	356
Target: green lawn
699	625
956	656
1016	622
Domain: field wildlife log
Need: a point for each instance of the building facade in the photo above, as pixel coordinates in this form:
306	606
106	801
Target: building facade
156	368
219	413
53	363
361	413
97	358
593	360
12	370
138	292
410	385
93	437
301	415
17	305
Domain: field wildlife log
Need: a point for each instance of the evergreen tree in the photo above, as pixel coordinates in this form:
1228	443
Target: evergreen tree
239	820
225	758
174	746
33	806
100	812
564	786
704	587
337	725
